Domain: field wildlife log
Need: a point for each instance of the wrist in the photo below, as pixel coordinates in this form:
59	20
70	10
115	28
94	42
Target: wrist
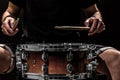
96	17
7	17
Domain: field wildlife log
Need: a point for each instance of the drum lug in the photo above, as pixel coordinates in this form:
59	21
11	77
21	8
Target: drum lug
92	54
69	56
69	68
45	69
92	66
24	68
45	57
24	55
18	60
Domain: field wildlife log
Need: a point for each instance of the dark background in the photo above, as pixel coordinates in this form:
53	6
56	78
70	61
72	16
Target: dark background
110	15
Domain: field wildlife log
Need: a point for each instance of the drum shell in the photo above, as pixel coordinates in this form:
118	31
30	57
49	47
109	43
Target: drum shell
57	62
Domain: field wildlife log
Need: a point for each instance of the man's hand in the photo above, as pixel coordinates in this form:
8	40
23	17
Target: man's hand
96	25
8	26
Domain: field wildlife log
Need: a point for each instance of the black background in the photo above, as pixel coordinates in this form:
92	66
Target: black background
110	13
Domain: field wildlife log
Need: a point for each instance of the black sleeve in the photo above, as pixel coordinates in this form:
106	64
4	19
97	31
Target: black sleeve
19	3
87	3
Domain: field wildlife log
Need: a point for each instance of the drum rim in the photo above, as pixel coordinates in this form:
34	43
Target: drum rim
55	46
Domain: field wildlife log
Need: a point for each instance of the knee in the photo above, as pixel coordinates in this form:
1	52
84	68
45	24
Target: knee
111	57
3	54
4	60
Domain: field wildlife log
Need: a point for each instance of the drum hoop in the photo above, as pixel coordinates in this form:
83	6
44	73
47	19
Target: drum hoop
54	47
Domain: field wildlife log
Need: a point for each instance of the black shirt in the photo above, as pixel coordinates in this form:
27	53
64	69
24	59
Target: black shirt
41	16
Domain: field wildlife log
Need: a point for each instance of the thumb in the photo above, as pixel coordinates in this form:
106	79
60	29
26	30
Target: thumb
86	23
12	21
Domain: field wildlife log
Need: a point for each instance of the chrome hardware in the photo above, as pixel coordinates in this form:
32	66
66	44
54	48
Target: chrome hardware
69	56
69	68
24	55
18	60
92	66
44	56
45	69
24	68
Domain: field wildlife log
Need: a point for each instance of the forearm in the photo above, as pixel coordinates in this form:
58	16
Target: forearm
92	11
12	11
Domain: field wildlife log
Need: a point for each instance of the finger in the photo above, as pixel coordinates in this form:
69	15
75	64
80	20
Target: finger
93	27
10	34
101	27
5	31
7	27
86	23
15	31
12	21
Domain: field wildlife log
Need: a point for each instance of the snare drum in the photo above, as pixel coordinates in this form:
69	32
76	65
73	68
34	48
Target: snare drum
54	61
7	62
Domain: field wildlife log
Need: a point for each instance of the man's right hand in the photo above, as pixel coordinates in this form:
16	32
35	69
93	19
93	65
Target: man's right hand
8	26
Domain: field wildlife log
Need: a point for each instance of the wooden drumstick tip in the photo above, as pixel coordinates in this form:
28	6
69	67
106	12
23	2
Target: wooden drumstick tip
16	23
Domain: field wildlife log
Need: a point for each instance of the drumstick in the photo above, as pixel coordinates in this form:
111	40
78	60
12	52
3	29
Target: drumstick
72	27
15	23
